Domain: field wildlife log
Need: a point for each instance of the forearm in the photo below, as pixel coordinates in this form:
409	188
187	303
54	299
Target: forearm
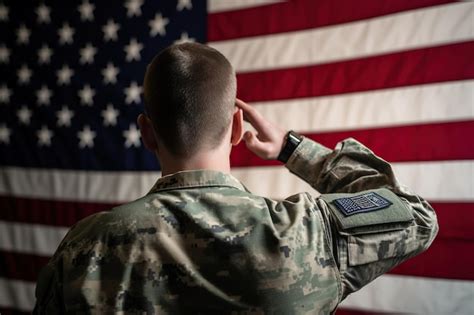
350	167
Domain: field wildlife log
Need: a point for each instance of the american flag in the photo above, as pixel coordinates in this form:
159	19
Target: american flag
396	75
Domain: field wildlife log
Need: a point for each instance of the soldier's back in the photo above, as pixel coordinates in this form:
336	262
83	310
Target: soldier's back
201	246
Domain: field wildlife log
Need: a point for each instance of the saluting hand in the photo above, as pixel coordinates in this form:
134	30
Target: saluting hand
267	142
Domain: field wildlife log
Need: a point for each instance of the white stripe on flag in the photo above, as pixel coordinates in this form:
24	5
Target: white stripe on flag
440	102
419	295
214	6
115	187
89	186
30	238
402	31
423	178
16	294
415	295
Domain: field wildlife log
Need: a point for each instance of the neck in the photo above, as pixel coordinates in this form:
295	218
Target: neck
217	160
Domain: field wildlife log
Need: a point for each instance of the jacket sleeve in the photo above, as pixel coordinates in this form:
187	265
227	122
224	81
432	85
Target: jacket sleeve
49	286
49	292
373	221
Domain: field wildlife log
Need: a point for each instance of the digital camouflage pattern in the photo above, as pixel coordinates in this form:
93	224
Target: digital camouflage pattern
201	243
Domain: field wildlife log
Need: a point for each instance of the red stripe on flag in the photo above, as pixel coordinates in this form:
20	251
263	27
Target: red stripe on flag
428	142
446	258
450	254
413	67
24	267
48	212
456	220
295	15
11	311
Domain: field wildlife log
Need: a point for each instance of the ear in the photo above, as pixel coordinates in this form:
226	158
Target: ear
237	126
146	130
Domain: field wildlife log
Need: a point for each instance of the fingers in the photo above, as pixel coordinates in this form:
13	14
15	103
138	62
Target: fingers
268	139
250	139
252	116
241	104
246	108
252	142
262	149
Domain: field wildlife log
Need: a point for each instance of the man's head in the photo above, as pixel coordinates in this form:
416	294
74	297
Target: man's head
190	92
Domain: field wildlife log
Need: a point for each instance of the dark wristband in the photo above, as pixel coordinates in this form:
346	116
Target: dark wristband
291	142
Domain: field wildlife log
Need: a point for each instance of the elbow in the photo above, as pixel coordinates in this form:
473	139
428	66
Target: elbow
433	231
427	226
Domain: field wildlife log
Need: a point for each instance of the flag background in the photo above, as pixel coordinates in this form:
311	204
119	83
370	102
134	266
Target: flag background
396	75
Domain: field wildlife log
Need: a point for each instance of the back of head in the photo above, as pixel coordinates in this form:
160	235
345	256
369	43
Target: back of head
190	92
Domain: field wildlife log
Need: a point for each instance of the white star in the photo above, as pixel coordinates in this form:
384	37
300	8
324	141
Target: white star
44	136
65	34
3	12
44	54
184	39
110	115
133	93
87	54
64	116
87	95
110	74
87	11
43	95
4	54
23	35
24	115
133	7
133	50
64	75
86	137
132	136
184	4
5	94
110	30
157	25
5	133
43	14
24	74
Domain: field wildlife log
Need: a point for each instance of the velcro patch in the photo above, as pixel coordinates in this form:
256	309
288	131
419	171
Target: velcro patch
361	203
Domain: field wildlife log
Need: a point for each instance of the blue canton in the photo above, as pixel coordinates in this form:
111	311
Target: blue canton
72	72
361	203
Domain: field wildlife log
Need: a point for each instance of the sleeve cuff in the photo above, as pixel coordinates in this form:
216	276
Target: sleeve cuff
307	160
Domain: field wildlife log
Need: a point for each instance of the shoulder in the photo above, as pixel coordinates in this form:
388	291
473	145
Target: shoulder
103	226
301	202
299	213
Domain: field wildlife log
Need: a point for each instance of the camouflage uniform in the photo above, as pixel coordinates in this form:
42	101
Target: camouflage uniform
201	243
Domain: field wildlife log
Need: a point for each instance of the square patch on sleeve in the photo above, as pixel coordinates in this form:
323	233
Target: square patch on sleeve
361	203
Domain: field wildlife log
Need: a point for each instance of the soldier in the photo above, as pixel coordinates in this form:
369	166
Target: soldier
200	243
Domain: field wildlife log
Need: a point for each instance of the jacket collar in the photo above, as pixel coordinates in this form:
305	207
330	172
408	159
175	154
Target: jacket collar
196	178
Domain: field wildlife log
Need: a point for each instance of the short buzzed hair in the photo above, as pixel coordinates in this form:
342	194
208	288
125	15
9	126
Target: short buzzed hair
190	92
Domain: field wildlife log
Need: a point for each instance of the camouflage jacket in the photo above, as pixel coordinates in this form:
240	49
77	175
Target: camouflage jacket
200	243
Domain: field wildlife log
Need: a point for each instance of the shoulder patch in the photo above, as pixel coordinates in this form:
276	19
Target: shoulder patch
368	211
361	203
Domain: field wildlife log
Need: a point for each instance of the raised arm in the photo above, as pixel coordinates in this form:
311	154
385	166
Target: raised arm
374	223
